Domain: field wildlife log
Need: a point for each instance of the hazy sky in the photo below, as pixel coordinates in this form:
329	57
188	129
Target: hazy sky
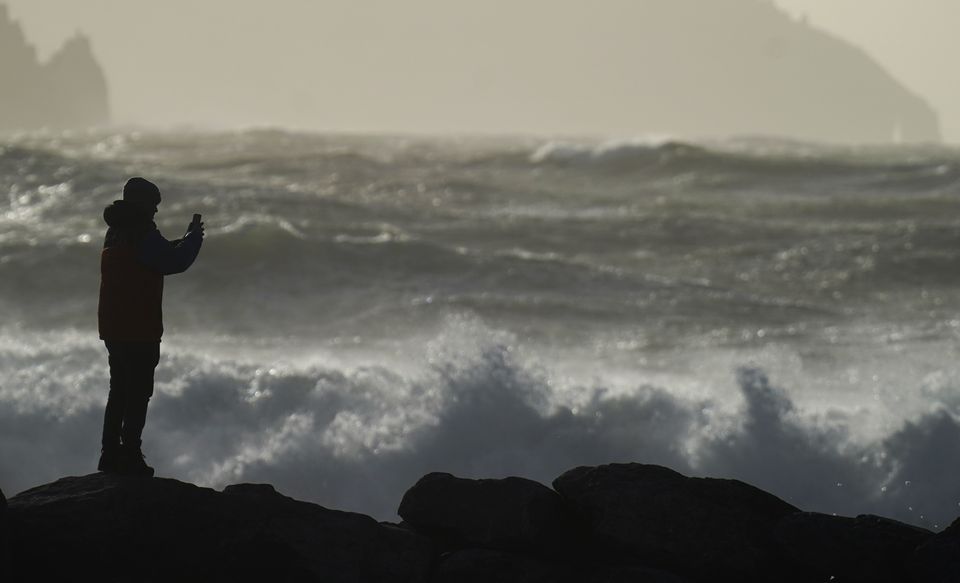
289	62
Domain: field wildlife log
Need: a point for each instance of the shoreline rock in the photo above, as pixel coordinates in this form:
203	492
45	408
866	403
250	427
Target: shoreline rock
651	515
4	532
512	514
158	529
615	523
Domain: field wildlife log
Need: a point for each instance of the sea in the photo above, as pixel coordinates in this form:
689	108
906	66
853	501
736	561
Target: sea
367	309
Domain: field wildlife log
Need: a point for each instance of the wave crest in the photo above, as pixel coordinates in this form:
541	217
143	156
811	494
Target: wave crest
640	151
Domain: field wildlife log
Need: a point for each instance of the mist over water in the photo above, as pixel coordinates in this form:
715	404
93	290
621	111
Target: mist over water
368	309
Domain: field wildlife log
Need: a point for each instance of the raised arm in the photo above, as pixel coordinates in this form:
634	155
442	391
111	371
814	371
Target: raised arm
170	257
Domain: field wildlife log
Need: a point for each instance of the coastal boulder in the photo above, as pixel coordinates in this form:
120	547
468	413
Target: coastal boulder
4	534
653	516
634	574
868	549
122	528
937	560
508	514
485	565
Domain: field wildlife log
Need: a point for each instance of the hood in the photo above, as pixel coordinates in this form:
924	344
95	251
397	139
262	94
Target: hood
125	215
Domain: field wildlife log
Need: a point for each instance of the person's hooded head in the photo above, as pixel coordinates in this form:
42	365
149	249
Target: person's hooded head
133	215
142	192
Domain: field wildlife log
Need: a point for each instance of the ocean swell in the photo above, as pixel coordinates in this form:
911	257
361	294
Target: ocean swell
367	309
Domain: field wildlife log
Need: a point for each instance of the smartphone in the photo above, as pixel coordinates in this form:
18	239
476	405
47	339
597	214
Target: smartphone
196	218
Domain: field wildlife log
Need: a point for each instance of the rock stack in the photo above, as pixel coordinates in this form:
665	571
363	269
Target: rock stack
67	91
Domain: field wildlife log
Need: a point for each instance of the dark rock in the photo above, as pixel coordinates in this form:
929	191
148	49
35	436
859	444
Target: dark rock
485	566
118	528
508	514
635	575
4	537
646	524
938	559
653	516
252	491
867	548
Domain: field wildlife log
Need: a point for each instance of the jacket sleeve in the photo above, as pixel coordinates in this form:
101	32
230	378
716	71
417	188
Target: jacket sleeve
169	257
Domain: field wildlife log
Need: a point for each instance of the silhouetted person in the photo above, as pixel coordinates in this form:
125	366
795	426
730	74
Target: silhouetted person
134	259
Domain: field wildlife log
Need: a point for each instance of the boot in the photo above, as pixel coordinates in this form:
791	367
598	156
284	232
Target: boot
133	463
110	460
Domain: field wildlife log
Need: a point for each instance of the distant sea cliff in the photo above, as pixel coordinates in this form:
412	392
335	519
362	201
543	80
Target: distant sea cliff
68	91
685	68
746	67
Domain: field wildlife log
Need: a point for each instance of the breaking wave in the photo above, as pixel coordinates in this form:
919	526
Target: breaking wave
355	436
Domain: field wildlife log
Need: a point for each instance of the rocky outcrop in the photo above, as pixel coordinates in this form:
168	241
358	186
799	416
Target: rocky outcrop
865	548
652	515
618	523
486	565
68	91
507	514
4	534
133	529
938	559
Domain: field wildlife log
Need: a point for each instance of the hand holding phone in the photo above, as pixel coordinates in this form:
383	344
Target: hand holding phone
196	224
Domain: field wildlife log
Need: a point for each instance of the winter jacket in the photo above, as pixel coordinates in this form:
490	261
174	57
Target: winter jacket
134	259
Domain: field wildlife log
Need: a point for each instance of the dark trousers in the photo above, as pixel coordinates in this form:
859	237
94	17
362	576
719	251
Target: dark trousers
131	386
